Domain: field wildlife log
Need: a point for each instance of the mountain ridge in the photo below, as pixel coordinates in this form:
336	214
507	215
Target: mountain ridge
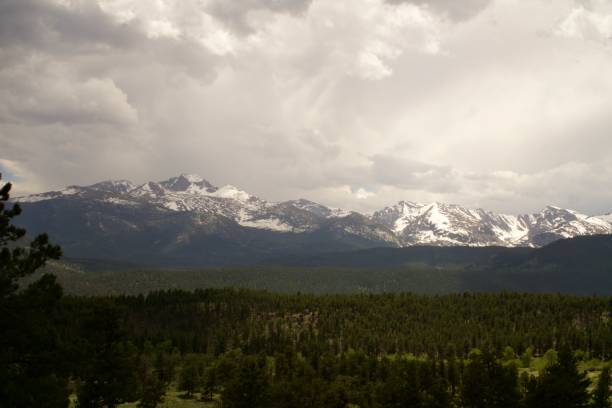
187	210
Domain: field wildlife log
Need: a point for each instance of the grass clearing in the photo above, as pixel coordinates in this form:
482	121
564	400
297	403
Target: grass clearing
173	399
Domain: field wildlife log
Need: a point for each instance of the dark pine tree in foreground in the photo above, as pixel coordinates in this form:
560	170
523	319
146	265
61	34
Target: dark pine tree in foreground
248	385
561	385
602	394
31	369
489	384
109	366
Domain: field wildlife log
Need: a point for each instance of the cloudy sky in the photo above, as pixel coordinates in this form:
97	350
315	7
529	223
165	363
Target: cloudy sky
501	104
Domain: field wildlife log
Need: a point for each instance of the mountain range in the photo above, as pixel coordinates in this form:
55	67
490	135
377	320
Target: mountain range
186	220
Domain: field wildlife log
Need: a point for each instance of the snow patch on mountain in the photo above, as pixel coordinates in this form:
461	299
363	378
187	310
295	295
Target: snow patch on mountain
114	186
311	207
510	229
69	191
339	213
232	192
120	201
272	224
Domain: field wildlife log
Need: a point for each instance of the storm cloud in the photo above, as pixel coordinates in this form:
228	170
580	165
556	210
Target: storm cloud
486	103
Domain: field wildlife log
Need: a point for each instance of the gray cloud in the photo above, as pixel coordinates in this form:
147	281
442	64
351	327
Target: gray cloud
54	28
453	9
236	14
69	64
413	175
53	95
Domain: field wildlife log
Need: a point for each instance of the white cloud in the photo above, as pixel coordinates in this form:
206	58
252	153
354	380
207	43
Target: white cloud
585	24
18	175
216	37
362	194
162	28
370	66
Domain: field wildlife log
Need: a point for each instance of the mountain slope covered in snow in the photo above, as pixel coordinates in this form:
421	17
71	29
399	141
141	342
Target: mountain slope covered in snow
450	224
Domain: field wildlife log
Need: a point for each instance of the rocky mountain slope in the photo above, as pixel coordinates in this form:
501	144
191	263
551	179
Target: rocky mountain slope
186	219
449	224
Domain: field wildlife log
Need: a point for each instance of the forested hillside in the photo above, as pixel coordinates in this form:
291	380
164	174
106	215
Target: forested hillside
215	321
581	265
257	349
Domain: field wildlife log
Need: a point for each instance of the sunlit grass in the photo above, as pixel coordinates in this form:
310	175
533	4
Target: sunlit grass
173	399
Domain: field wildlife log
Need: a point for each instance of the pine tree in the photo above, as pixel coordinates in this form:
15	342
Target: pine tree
526	357
152	387
109	362
191	375
560	385
17	262
248	386
437	396
488	384
601	394
209	383
31	370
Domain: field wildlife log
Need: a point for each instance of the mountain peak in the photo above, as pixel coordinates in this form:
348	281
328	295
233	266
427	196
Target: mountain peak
404	203
185	182
114	186
192	178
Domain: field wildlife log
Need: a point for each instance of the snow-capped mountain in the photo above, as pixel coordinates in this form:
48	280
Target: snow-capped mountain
449	224
187	216
554	223
192	193
187	220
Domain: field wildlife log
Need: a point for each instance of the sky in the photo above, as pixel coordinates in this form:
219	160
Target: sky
499	104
